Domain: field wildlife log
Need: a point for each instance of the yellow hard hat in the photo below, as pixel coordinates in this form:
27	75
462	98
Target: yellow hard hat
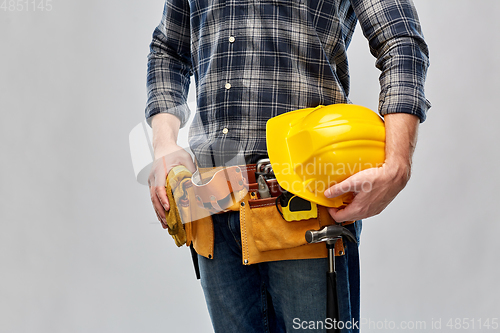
312	149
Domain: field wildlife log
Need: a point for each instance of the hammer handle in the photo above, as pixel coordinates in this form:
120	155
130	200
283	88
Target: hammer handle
332	309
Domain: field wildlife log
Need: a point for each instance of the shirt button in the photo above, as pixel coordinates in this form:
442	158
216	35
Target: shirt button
225	130
231	39
228	86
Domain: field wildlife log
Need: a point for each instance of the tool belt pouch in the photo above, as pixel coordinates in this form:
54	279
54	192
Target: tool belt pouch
270	231
197	221
185	218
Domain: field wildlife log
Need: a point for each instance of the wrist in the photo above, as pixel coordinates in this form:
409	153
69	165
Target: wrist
398	170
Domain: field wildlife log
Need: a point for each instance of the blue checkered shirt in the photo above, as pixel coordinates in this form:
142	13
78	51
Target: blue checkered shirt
256	59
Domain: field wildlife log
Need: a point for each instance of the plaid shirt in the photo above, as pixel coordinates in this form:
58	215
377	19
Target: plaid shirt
256	59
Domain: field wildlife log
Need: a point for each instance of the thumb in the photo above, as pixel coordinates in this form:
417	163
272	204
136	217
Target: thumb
190	165
339	189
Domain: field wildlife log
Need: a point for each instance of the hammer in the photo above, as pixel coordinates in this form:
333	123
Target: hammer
330	234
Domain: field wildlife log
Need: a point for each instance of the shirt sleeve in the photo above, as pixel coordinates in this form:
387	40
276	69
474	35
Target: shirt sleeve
395	37
169	63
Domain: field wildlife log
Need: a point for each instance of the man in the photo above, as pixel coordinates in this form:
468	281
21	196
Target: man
253	60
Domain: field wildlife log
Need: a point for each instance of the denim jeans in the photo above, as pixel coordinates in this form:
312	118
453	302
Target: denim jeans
278	296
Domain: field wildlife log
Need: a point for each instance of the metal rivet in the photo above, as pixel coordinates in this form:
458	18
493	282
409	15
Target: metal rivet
231	39
242	204
225	130
228	85
209	256
246	261
341	253
253	194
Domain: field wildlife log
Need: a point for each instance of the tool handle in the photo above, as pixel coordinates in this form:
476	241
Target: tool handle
332	307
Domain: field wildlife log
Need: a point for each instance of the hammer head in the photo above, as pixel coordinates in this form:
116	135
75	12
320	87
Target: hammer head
328	233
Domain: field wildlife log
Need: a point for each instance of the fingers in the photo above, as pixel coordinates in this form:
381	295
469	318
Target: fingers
158	206
365	204
161	194
163	224
360	185
157	178
337	189
359	182
358	209
349	213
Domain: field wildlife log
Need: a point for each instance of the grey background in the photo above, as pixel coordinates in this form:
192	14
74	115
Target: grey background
80	247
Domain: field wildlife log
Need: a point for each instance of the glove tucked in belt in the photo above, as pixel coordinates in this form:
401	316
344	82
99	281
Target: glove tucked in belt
174	185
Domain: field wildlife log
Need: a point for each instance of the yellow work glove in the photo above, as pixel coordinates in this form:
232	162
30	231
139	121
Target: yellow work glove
173	185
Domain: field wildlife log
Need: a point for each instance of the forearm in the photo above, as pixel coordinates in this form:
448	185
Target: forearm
401	138
165	131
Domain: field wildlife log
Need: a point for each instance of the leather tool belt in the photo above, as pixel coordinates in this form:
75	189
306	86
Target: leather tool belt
266	236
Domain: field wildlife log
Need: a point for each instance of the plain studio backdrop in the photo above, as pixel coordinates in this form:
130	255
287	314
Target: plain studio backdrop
81	249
